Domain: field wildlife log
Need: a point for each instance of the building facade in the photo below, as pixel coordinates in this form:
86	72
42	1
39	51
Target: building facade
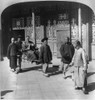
53	19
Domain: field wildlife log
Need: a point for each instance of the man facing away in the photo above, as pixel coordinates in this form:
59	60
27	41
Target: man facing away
45	55
67	52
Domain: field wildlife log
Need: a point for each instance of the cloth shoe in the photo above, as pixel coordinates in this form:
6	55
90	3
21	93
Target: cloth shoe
45	74
13	70
85	91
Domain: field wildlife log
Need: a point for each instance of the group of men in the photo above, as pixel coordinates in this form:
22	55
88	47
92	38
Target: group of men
15	51
14	54
75	57
70	56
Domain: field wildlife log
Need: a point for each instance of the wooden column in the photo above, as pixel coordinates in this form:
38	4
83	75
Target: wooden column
87	40
79	24
1	46
45	31
33	23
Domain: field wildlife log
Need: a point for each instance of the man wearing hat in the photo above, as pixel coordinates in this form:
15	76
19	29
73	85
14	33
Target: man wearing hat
45	55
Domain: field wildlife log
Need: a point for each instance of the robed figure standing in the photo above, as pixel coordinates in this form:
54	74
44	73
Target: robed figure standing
45	55
12	54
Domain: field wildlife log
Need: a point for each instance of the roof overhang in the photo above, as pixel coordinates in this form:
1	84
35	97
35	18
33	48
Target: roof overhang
7	3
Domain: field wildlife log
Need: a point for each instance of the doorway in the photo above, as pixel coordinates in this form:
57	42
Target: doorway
61	36
17	33
56	36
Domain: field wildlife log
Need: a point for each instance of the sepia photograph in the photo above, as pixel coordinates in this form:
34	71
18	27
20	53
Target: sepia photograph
47	49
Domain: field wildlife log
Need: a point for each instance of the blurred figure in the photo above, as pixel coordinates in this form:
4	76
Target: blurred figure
80	67
45	55
19	53
27	48
30	50
12	54
27	43
67	52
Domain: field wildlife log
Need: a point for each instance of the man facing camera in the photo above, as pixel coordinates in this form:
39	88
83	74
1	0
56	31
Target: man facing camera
12	54
67	52
45	55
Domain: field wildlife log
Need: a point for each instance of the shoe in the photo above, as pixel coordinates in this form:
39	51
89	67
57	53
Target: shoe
20	70
60	71
13	70
47	75
78	88
85	91
64	77
16	72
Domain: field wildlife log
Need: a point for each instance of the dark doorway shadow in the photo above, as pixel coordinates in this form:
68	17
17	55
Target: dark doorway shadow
90	73
5	92
91	87
31	68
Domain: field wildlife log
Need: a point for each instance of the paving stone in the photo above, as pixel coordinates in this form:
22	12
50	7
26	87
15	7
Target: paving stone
30	84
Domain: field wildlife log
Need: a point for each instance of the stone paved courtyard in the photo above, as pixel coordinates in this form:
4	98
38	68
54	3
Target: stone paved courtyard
31	84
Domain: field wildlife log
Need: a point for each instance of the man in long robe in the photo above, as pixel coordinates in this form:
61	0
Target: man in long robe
12	54
19	53
45	55
67	52
80	67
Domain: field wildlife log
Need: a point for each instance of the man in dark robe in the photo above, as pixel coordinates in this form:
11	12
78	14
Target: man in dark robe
67	52
12	54
19	53
45	55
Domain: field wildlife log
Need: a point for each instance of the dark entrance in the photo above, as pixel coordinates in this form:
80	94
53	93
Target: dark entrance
17	33
51	20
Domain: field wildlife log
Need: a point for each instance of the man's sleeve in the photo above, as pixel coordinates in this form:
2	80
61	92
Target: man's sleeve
8	52
84	59
62	50
73	50
50	53
41	54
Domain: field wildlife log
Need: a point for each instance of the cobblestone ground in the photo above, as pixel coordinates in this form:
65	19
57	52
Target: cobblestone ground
31	84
